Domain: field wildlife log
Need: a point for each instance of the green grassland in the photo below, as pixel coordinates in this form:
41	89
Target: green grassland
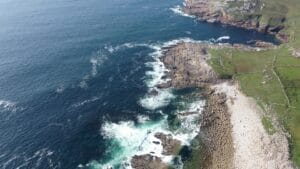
271	13
272	77
267	123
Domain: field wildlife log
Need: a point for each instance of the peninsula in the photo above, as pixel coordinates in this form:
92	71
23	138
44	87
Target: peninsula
252	115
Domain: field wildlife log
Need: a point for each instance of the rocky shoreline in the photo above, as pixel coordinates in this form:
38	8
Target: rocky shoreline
228	12
215	132
228	114
220	139
188	67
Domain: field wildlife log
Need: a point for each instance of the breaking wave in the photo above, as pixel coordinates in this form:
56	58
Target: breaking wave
220	39
177	10
96	61
127	138
85	102
7	106
39	157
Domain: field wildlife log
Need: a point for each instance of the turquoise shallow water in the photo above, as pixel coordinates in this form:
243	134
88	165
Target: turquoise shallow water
75	74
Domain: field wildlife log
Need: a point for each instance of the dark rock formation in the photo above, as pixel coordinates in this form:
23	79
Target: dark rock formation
240	13
170	146
187	65
147	162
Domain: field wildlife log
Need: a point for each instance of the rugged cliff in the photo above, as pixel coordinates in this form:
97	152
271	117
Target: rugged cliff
260	15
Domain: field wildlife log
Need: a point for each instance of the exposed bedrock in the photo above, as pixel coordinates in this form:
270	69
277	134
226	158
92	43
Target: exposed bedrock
249	14
170	145
188	66
147	161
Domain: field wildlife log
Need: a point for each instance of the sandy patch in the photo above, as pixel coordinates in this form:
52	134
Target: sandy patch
254	148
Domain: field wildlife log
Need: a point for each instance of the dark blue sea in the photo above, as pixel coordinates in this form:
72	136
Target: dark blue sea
76	79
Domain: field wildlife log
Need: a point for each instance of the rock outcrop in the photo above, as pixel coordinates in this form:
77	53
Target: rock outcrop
240	13
188	66
170	145
147	161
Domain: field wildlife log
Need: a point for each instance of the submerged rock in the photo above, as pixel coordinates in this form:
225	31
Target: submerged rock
153	92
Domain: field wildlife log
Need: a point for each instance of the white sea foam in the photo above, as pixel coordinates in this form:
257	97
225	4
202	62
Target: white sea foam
223	38
42	155
155	77
177	10
8	106
112	49
128	139
142	119
132	140
139	139
156	74
153	102
190	125
97	61
83	83
60	89
109	48
85	101
188	32
220	39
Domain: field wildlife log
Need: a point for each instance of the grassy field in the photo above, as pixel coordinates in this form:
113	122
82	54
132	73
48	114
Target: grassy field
271	13
272	77
267	123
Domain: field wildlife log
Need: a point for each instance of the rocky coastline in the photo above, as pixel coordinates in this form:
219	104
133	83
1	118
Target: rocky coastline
227	115
215	132
188	67
241	14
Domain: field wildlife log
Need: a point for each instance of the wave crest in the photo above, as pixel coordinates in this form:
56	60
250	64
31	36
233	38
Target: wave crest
178	10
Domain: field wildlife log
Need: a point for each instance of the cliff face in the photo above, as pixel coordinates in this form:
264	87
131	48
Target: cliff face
250	14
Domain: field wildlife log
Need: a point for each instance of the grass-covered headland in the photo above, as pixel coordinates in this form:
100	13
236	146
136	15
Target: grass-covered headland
271	76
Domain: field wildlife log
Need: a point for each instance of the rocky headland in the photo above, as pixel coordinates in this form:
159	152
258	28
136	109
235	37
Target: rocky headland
232	135
188	65
248	14
231	132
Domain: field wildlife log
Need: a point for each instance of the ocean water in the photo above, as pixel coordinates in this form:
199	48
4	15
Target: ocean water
76	80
